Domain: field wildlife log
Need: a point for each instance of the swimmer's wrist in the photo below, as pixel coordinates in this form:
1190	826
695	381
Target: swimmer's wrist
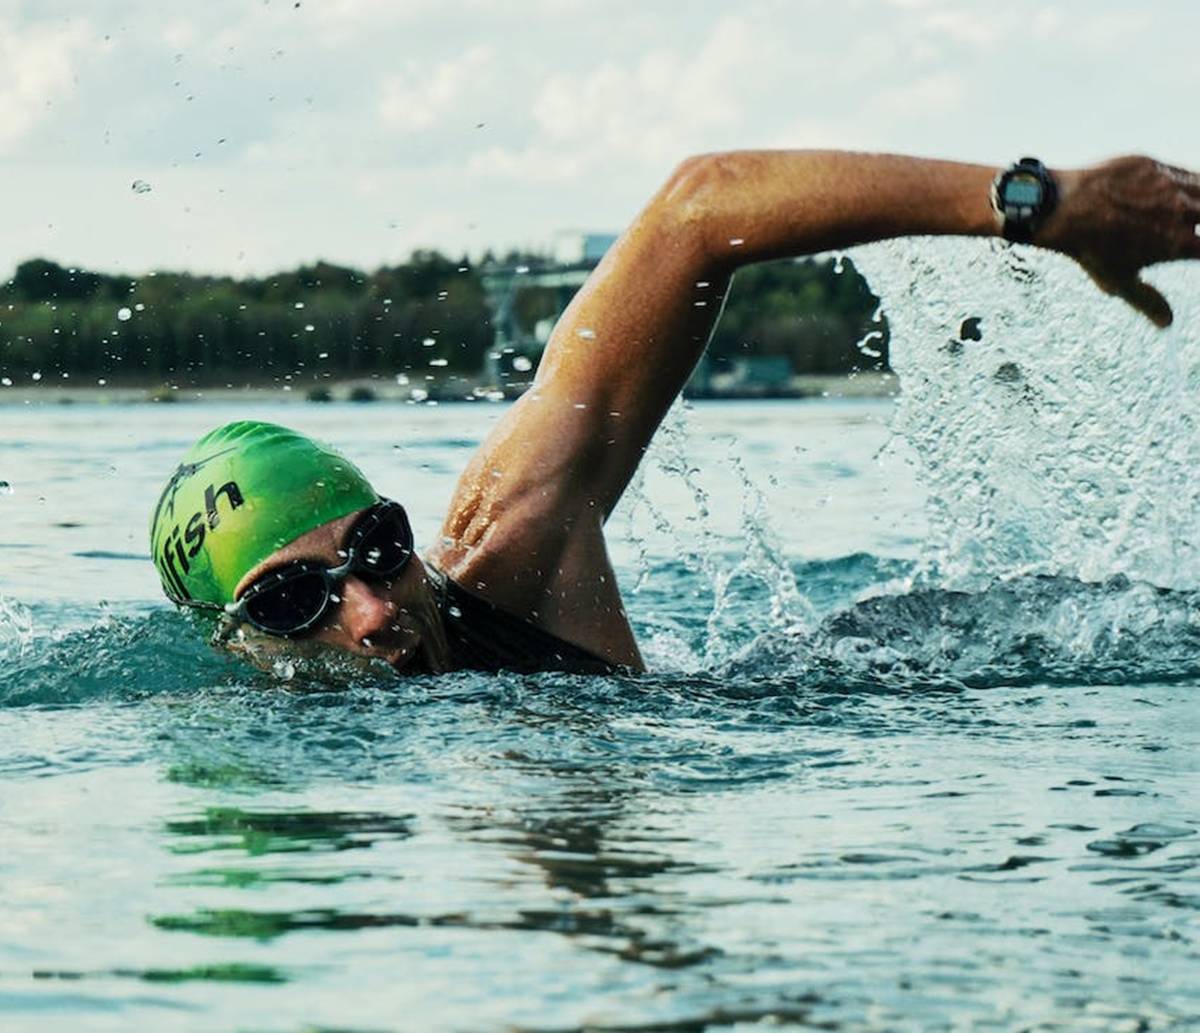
1055	232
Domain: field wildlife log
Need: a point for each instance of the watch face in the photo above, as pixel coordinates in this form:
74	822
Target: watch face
1025	191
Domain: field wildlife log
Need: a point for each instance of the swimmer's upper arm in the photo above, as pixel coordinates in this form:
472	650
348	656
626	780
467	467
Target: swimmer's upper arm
625	346
622	350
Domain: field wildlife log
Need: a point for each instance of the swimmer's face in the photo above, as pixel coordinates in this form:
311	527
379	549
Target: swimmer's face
395	620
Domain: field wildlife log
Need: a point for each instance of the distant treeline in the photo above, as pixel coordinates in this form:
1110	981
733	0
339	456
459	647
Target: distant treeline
427	316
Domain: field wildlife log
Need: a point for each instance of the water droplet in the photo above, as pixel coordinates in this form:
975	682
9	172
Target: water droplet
6	488
6	381
736	241
139	307
299	304
124	314
454	611
521	364
587	334
140	186
437	362
429	342
284	669
37	375
522	269
309	328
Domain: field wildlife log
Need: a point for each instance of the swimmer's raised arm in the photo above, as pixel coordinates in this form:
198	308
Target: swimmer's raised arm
529	510
627	343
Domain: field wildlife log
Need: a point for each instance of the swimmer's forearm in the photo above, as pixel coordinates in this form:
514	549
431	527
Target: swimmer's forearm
1114	219
748	206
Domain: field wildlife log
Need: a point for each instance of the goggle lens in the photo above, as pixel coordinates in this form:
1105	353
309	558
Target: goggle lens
294	603
384	548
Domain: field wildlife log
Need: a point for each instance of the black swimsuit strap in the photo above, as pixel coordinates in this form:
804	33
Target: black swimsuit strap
482	637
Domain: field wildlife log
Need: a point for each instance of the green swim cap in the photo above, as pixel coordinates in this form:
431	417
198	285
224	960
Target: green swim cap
241	492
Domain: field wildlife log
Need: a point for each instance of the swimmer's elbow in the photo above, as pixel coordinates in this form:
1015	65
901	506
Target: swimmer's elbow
700	176
697	194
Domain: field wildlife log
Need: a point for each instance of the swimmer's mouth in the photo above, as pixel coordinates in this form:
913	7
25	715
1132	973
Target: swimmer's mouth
410	659
404	660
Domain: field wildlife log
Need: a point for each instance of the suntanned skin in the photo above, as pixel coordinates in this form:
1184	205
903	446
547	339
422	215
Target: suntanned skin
395	621
525	526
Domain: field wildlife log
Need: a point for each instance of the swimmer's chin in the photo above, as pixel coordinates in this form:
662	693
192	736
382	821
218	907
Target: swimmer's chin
321	660
423	658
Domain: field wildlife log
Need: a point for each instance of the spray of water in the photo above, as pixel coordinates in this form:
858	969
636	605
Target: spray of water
1054	426
1055	436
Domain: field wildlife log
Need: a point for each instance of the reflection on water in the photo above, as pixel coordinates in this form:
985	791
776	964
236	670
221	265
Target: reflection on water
619	833
229	828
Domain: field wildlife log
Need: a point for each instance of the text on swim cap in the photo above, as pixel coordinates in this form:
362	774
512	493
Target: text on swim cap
194	530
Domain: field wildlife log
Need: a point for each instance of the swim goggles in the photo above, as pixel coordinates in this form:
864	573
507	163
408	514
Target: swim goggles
291	600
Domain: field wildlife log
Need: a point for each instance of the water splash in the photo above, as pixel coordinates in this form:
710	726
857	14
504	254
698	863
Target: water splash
122	657
727	580
1054	426
16	630
1024	631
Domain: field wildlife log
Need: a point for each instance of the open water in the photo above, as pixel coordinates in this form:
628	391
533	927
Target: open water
918	749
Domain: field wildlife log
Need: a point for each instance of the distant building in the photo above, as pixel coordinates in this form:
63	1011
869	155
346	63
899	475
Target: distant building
574	247
516	349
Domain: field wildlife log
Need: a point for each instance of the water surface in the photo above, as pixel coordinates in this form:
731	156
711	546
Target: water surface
918	748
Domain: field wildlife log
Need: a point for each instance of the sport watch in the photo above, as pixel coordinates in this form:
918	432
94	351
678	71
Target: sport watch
1023	195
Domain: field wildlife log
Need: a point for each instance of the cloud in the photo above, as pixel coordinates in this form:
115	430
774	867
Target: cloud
36	70
536	163
974	28
340	125
934	94
657	107
419	97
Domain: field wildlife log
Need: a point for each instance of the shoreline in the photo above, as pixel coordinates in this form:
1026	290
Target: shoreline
367	391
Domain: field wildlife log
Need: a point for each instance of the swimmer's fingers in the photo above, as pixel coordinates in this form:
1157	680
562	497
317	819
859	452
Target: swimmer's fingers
1138	293
1122	216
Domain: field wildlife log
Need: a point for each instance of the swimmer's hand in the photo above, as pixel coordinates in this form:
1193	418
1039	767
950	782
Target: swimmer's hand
1119	217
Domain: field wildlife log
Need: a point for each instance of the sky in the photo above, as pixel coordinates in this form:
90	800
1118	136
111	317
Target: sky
276	132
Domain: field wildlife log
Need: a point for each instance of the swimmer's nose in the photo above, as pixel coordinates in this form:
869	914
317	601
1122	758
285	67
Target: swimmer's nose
366	611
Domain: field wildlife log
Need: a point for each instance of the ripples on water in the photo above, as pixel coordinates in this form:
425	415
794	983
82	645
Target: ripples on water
934	782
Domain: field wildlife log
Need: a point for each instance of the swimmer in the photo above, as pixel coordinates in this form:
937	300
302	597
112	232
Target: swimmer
288	543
